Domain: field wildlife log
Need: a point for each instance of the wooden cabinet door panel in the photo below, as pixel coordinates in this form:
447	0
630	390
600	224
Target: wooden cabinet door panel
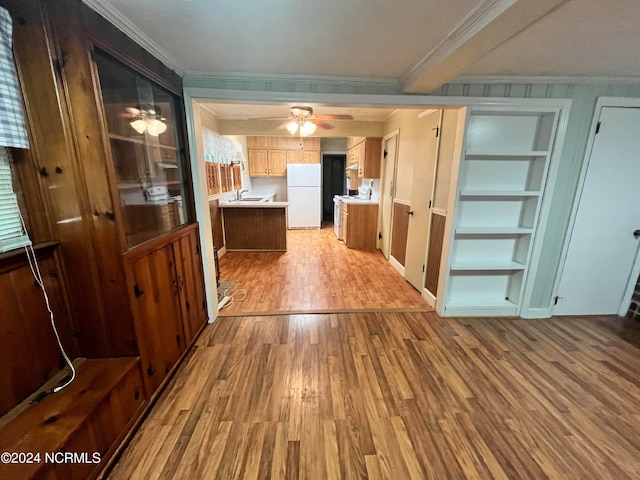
158	323
190	284
277	163
294	156
311	156
258	163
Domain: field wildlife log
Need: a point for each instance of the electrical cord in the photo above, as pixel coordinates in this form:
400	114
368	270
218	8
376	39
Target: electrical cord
232	297
35	270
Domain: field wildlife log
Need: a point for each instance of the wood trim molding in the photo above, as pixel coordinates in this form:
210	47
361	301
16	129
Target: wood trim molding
542	80
114	16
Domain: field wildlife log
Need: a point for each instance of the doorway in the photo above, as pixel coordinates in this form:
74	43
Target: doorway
602	257
333	181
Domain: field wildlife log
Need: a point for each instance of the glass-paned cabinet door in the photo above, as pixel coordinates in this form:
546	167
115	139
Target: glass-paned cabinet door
146	149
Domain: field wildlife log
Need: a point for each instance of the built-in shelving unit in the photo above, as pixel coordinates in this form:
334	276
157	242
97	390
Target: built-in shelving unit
501	181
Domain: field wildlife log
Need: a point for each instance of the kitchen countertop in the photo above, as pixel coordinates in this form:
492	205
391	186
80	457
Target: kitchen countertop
358	201
252	204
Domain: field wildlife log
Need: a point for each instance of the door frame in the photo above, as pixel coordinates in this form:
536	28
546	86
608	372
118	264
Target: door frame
193	94
430	298
619	102
395	133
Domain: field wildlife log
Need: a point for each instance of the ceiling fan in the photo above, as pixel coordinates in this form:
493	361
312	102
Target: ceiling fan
302	120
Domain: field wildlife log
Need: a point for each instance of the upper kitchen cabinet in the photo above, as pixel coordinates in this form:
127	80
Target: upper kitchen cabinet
269	156
365	154
146	151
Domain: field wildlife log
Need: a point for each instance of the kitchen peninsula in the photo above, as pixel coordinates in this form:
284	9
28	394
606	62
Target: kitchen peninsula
259	224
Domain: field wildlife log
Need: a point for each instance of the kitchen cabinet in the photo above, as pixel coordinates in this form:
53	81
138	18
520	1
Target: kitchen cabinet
303	156
267	163
258	162
360	225
269	156
277	163
367	155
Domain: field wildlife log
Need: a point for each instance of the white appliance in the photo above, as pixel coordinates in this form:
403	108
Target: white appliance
305	195
337	216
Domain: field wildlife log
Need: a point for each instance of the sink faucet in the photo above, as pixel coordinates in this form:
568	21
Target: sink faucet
239	193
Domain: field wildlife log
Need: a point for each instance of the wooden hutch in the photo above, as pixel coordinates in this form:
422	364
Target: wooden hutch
107	195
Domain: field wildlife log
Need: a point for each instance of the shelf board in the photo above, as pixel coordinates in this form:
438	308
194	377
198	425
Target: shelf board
500	193
493	231
487	265
139	141
480	307
515	155
131	185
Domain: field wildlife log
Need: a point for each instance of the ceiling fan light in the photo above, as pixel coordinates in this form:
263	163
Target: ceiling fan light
155	127
292	127
139	125
307	128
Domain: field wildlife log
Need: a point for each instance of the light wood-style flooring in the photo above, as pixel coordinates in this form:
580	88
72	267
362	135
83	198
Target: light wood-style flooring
397	396
316	273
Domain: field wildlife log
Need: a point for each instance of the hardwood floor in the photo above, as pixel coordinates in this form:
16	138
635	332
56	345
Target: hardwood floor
397	395
317	273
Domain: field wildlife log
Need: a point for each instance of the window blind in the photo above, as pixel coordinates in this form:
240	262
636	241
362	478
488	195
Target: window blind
12	234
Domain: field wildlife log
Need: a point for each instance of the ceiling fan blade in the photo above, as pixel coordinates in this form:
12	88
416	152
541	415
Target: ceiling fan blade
334	117
322	124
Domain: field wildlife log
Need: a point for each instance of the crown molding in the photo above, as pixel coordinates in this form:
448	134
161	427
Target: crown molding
543	80
193	77
114	16
475	20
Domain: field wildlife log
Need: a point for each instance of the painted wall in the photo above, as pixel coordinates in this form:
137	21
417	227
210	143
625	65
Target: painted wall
447	145
333	144
412	150
584	97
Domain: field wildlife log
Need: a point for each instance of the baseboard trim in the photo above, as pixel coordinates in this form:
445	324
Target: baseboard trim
328	311
396	264
536	313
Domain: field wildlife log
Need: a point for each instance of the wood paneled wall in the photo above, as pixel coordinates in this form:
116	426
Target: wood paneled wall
29	354
216	224
436	238
399	231
255	228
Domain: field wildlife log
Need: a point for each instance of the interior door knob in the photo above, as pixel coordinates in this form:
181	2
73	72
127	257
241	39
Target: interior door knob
636	233
410	212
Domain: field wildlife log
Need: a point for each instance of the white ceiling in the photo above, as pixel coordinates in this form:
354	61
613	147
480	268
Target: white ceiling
582	38
419	44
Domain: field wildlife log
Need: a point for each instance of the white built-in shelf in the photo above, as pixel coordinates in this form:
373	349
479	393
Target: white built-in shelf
500	193
511	155
480	307
484	265
493	231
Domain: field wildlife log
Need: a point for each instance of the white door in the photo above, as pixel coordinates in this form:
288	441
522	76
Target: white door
424	171
388	182
602	249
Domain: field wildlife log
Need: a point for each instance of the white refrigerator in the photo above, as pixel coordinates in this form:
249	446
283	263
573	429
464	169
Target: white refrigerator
305	195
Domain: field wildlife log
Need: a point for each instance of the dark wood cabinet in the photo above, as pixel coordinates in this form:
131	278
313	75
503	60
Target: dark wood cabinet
167	293
118	201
